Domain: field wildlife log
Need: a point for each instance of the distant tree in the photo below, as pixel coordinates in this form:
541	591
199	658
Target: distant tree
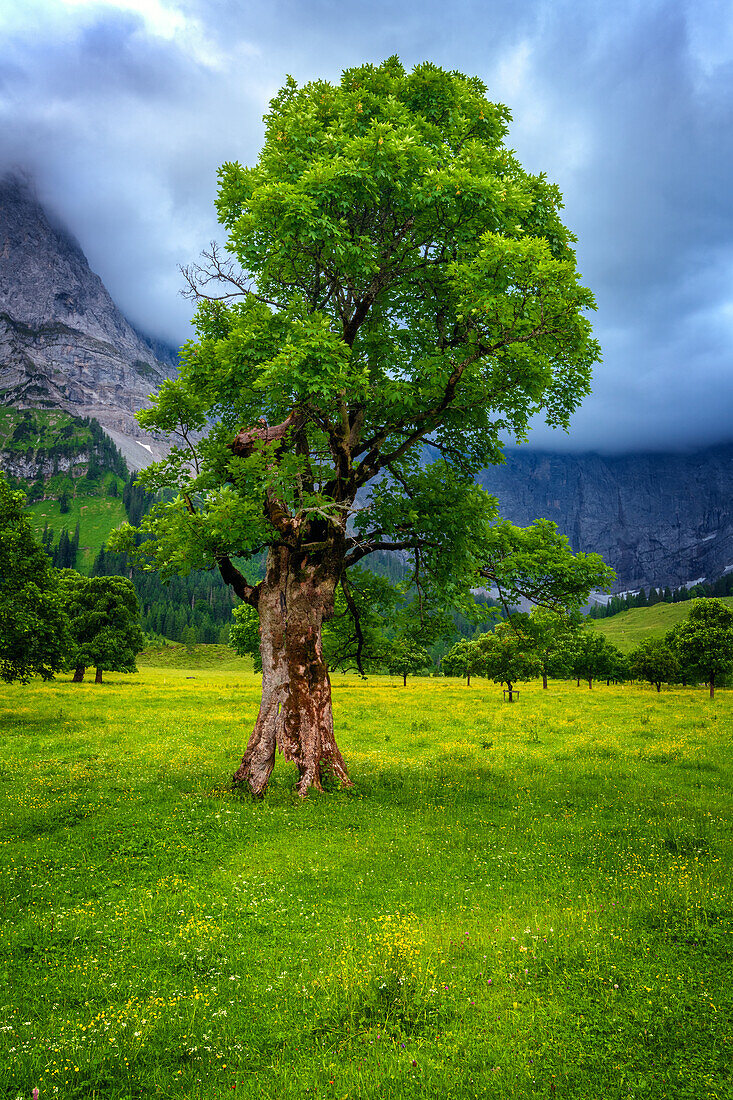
618	668
654	661
549	634
406	657
365	607
463	659
704	641
32	625
507	657
592	657
104	627
244	634
36	490
189	637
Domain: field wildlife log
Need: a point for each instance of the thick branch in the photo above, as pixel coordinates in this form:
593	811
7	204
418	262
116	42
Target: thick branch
229	572
232	576
361	548
246	440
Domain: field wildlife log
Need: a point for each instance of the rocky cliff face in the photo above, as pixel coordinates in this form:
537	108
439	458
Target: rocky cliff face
63	342
657	519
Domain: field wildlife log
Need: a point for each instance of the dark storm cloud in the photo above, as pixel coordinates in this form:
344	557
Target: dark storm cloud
124	117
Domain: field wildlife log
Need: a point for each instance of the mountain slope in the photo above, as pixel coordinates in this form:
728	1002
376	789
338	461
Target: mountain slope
63	342
658	519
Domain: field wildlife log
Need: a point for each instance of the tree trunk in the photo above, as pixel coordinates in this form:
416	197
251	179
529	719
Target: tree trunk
79	674
295	714
98	677
577	683
590	681
404	679
468	679
712	687
509	689
659	687
544	679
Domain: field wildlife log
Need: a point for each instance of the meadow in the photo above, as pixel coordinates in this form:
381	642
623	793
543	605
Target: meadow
527	900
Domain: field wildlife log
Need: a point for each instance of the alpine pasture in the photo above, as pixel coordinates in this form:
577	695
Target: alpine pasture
527	900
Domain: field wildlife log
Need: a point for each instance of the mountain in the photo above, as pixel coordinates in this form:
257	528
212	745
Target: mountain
657	519
63	342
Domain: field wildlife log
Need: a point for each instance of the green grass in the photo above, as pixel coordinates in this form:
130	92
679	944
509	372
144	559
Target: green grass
97	518
203	656
514	901
629	628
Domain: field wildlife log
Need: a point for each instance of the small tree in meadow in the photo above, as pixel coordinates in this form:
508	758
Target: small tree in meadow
406	657
104	624
654	661
704	641
593	657
462	659
549	634
507	657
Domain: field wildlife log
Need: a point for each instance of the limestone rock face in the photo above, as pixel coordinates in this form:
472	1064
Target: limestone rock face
657	519
63	342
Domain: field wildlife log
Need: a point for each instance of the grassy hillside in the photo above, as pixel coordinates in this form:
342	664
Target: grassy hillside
97	517
24	429
629	628
521	901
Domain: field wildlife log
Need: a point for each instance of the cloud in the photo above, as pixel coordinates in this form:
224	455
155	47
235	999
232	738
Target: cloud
124	109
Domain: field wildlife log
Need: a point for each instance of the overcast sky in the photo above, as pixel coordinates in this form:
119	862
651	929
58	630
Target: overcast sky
124	109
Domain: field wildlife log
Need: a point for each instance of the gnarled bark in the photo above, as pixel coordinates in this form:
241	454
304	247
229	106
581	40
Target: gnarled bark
79	674
295	716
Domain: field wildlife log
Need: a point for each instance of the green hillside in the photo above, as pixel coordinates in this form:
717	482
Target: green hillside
629	628
73	474
96	516
30	429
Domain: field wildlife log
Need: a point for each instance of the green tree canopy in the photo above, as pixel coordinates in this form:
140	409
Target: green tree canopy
104	623
392	278
507	657
406	657
463	659
654	660
551	635
592	657
32	626
704	641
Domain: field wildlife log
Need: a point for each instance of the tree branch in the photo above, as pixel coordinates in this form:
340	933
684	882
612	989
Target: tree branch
249	593
219	270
